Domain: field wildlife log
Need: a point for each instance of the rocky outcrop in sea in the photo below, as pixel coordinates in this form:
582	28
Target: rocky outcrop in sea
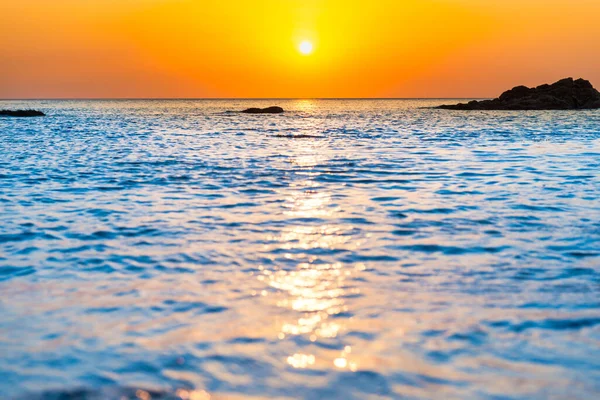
566	94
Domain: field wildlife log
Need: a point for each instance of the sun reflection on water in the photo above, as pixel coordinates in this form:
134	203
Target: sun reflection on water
193	394
305	105
314	291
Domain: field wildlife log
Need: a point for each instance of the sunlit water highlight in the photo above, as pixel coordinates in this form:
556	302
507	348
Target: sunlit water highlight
345	249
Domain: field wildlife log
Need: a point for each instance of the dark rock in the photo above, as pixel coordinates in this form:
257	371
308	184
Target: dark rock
21	113
566	94
299	136
268	110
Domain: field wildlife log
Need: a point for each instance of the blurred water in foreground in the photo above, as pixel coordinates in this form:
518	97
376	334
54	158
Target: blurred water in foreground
344	250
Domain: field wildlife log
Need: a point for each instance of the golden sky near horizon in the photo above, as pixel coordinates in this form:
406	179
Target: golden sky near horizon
250	48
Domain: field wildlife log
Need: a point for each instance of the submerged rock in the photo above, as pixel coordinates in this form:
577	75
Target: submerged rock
21	113
566	94
268	110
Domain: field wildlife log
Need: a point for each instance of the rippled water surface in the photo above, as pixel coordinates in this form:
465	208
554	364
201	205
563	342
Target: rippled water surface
343	250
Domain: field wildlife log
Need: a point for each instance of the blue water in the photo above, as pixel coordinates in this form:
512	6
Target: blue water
344	250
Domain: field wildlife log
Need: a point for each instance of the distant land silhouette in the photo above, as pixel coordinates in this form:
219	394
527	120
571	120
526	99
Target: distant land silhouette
566	94
21	113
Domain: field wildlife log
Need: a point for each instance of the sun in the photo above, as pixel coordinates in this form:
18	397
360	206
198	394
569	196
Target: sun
306	47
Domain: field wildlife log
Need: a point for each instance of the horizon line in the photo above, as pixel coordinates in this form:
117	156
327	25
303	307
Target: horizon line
237	98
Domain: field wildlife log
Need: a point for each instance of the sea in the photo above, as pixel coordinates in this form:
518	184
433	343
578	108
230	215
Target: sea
346	249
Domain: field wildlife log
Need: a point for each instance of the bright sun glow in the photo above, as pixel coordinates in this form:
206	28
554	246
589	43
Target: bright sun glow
306	47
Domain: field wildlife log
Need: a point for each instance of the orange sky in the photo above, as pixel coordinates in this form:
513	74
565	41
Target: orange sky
249	48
